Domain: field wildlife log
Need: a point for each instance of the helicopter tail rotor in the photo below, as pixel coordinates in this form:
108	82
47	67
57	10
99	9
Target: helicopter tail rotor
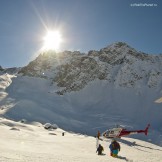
146	130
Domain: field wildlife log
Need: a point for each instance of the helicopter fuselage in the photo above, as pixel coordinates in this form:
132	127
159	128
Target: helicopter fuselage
119	132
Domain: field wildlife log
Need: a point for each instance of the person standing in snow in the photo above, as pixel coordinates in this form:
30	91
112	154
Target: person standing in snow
98	134
100	149
114	148
97	139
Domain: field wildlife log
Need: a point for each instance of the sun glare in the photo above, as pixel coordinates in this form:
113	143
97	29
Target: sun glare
52	40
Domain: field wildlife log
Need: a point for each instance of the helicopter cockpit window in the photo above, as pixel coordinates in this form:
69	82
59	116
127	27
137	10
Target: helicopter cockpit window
112	132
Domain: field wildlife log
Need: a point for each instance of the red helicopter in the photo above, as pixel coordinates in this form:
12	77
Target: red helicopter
118	132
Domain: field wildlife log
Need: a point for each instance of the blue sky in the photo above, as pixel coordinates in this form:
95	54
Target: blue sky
84	24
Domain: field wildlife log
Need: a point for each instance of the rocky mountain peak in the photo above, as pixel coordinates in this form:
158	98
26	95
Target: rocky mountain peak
117	63
118	46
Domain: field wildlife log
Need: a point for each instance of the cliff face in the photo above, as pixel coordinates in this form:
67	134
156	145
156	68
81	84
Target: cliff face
117	63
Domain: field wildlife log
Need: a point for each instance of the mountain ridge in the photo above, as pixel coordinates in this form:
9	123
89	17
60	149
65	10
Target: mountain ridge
118	63
84	93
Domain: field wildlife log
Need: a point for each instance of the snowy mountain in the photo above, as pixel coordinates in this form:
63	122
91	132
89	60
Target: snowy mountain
88	92
118	64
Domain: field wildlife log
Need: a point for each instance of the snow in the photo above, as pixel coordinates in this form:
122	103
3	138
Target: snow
28	103
159	100
95	107
23	142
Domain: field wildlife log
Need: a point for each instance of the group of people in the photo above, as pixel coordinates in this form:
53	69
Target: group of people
114	147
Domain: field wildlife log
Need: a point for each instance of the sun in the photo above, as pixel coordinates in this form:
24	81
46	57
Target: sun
52	40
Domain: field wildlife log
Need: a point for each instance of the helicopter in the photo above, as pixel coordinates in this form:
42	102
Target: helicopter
118	132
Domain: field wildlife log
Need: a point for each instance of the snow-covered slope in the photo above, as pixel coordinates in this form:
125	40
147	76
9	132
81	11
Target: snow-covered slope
22	142
88	92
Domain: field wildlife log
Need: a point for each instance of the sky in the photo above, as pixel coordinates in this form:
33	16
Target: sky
84	25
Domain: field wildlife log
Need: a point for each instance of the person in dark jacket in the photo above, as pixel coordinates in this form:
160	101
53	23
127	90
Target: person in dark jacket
114	148
100	149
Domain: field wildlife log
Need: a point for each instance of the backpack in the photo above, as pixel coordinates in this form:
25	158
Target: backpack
115	146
